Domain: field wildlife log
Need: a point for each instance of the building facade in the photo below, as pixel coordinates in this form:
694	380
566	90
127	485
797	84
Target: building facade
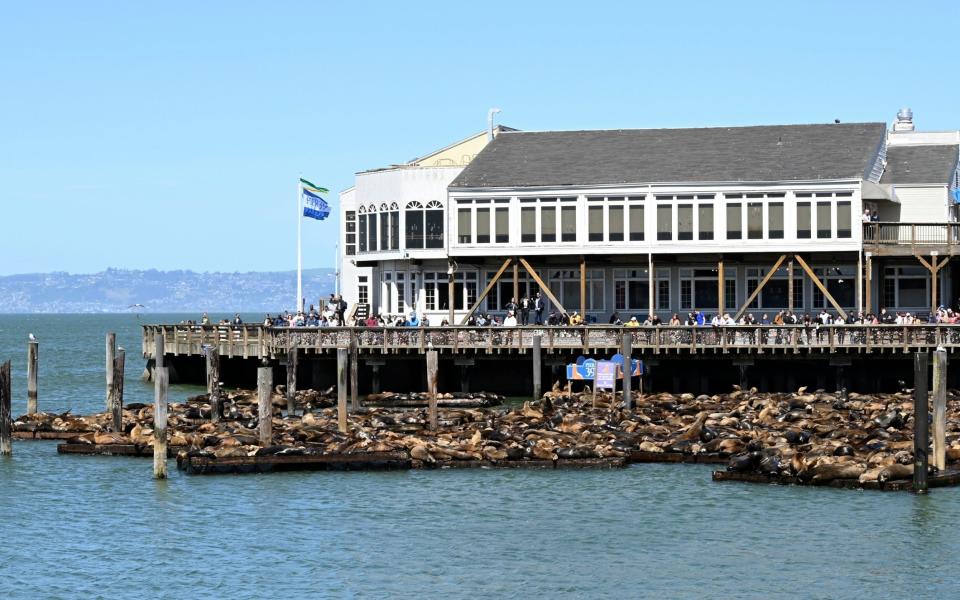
633	222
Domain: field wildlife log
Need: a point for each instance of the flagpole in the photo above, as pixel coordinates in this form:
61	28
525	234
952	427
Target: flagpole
299	253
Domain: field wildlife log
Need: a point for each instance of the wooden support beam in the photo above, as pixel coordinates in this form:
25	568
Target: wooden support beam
486	291
161	379
33	347
342	358
940	409
432	374
116	391
354	378
823	289
264	405
934	267
790	285
111	354
6	420
763	282
626	343
869	284
516	281
651	284
543	287
537	368
583	286
293	360
213	383
720	303
920	431
450	291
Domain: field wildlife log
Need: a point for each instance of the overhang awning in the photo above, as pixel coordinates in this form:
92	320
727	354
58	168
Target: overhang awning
875	191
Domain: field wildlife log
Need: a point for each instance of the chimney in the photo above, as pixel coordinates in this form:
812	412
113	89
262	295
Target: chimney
904	120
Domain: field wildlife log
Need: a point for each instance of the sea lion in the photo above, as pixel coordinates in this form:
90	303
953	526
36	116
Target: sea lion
824	473
894	472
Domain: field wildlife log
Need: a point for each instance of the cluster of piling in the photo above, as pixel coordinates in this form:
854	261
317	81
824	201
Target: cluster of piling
805	437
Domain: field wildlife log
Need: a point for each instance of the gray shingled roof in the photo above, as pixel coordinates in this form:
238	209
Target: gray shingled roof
920	164
715	154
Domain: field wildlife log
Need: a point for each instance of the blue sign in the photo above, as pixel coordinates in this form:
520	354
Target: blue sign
606	375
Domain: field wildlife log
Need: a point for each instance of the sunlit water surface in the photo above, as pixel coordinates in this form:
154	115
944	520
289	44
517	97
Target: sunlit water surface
101	527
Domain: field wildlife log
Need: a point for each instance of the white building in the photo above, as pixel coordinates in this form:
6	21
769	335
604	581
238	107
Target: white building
659	220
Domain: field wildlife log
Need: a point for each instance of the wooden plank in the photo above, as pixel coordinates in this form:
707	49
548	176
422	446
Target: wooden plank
543	287
823	289
763	282
486	291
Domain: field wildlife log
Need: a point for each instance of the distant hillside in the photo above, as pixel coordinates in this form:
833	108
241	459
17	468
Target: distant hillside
114	290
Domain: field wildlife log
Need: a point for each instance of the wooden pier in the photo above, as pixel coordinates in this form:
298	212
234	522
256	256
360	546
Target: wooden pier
258	341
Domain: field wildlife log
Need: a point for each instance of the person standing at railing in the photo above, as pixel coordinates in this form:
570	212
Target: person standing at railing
538	308
525	310
866	215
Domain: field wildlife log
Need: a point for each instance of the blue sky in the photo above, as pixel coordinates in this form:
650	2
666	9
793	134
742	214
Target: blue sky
143	136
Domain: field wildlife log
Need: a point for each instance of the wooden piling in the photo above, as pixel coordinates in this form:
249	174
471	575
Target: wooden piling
6	420
293	359
116	391
264	406
213	384
161	379
111	354
342	358
32	375
432	388
627	351
921	361
159	350
537	369
940	409
354	379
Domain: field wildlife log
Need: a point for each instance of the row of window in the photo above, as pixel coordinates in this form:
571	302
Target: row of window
631	292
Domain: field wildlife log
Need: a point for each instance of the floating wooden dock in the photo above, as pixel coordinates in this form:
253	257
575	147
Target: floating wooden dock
47	435
949	477
366	461
141	450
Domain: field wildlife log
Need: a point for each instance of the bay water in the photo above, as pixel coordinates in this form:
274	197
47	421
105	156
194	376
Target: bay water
101	527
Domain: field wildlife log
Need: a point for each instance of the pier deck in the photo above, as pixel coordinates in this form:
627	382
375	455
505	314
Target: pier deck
258	341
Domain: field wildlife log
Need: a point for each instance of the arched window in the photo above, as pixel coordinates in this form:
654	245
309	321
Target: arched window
434	224
414	215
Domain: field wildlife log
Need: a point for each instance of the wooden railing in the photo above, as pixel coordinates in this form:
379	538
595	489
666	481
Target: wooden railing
258	341
911	234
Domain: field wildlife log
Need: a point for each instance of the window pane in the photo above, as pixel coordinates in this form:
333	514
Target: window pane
363	233
843	219
385	231
913	292
414	229
372	232
705	216
638	296
502	225
734	221
595	224
548	224
568	223
434	227
464	233
636	223
754	221
665	222
823	220
803	220
395	230
483	225
615	217
775	220
685	222
705	294
528	224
